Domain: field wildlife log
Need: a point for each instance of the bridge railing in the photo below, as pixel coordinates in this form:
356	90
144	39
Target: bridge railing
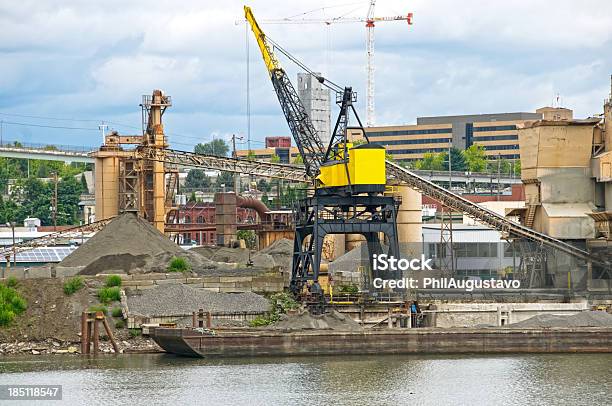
45	147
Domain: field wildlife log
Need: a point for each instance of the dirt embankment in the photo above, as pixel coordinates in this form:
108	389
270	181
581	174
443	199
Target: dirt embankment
50	313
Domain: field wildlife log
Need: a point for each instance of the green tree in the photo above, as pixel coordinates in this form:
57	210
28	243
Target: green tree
264	199
457	160
431	162
251	155
275	159
263	185
216	147
298	160
475	158
84	182
225	178
197	179
193	198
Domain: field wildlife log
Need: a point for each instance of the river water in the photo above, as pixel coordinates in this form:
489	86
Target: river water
548	379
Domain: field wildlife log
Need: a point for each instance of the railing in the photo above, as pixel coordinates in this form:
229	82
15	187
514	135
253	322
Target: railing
45	147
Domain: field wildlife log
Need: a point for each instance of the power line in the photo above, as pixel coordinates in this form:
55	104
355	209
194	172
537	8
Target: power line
49	126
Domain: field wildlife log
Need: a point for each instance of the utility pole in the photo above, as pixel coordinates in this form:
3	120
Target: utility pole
450	168
236	174
103	127
498	175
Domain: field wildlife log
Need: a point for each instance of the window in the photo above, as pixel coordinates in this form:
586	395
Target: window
187	219
418	141
409	132
200	219
495	128
476	250
512	137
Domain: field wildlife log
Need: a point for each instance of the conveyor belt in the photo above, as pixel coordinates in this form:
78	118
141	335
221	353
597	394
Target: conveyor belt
394	171
53	238
480	213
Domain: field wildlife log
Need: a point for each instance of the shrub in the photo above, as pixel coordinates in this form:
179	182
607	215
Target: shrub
134	332
11	305
348	289
11	282
113	280
117	312
73	285
98	308
178	264
107	295
280	304
119	324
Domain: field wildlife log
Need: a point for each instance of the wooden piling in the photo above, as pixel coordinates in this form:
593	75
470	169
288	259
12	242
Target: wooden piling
109	333
96	334
208	320
84	338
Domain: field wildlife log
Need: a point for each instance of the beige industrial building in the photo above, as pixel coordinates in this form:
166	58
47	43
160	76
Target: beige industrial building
497	133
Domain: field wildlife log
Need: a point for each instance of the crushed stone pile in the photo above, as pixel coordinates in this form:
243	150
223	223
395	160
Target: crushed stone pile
350	261
173	300
280	253
583	319
131	244
223	254
306	321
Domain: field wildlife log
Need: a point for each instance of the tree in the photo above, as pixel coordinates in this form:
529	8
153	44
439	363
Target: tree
457	160
275	159
249	237
225	178
192	197
431	162
84	183
264	199
298	160
251	155
216	147
263	185
197	179
475	158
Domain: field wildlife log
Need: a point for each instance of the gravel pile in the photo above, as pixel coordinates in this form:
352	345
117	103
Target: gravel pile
223	254
583	319
350	261
171	300
281	252
306	321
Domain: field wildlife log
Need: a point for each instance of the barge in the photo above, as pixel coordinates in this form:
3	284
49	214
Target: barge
258	342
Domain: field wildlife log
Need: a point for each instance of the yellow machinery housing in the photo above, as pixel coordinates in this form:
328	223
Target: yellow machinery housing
364	172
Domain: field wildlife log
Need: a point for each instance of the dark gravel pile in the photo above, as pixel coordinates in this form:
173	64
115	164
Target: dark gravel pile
171	300
583	319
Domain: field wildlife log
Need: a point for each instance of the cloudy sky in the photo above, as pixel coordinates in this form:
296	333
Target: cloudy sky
73	64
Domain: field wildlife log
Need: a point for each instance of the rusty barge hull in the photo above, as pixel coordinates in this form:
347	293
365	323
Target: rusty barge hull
187	342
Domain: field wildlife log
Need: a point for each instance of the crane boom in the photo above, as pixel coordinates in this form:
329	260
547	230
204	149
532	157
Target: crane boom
308	142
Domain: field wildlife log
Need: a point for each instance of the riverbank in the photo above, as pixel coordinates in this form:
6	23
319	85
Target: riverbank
133	345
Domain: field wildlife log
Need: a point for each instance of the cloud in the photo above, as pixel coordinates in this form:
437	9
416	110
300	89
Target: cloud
94	60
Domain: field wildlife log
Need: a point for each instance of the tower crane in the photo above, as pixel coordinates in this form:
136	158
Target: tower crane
370	20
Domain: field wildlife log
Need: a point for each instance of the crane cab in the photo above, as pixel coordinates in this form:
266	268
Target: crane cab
363	171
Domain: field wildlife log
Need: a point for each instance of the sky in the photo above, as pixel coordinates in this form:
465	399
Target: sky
75	64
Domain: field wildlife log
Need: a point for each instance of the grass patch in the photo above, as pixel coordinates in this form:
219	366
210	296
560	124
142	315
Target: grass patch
134	332
280	303
11	282
117	312
178	264
108	295
113	280
119	324
98	308
11	304
73	285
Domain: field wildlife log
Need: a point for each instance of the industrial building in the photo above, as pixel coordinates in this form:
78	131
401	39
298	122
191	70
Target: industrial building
497	133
